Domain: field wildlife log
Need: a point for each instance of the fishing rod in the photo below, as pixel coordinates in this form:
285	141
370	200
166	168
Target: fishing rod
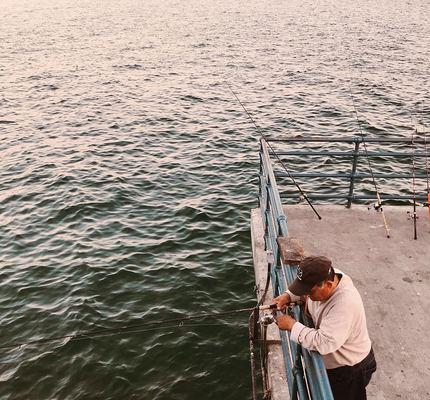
424	132
137	327
427	174
414	193
378	206
276	155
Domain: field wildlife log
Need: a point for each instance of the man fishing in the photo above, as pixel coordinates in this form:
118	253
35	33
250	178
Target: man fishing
340	334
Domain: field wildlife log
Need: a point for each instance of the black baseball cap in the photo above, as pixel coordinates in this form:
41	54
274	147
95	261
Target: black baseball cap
311	271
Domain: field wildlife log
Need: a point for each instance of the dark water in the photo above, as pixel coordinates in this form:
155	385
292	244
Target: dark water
127	171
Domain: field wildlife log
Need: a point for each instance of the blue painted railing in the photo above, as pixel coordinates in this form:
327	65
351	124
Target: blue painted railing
305	371
306	374
347	172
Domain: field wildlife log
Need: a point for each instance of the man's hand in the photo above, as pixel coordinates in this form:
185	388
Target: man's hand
281	301
285	322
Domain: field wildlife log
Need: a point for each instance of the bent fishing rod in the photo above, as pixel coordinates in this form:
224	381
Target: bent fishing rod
378	206
276	155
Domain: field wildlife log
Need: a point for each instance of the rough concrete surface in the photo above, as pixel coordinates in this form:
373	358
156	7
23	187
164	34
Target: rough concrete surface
393	277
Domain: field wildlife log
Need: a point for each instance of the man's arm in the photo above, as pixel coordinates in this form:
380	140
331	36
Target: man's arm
334	330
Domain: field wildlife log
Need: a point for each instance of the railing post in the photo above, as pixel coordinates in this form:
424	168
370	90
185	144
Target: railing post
353	171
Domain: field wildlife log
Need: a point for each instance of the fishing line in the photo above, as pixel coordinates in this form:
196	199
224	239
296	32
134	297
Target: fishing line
378	197
274	152
178	326
128	328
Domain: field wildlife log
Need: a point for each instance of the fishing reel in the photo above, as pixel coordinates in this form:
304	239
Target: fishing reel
376	206
269	314
266	319
412	215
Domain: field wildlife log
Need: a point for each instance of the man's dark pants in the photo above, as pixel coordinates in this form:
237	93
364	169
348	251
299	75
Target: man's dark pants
349	383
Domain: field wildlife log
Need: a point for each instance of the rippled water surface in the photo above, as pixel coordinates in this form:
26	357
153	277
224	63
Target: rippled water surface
128	170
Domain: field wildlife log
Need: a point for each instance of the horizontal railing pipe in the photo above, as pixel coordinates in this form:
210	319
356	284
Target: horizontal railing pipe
347	175
357	197
349	153
320	139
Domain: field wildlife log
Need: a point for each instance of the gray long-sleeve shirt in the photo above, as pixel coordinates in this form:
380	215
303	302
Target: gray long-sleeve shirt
340	333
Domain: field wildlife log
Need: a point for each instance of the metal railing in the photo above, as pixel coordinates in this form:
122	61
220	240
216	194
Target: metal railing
415	149
305	370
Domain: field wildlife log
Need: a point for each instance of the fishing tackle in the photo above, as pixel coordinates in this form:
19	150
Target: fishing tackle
267	319
427	204
276	155
378	206
414	216
146	326
274	306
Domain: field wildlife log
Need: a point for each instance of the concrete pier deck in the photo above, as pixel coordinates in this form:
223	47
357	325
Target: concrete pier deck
392	275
